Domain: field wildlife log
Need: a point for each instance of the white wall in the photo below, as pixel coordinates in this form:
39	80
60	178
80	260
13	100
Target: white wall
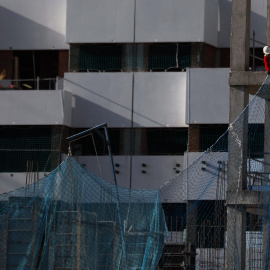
100	98
207	96
12	181
28	107
157	99
159	169
100	21
174	20
154	20
32	25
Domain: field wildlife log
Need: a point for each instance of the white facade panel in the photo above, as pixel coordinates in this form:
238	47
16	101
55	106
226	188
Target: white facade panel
100	98
208	94
32	108
174	20
157	171
33	25
159	99
12	181
101	167
100	21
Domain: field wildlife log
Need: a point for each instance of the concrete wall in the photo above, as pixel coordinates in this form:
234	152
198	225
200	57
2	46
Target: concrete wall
32	25
45	107
157	99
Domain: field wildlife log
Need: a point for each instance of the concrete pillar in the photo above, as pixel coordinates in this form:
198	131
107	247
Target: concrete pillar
235	253
265	250
240	35
191	233
237	163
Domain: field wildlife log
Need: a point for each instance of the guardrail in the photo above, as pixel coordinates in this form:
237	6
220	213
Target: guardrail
32	84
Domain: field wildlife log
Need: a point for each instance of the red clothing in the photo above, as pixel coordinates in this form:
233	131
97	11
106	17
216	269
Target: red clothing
266	60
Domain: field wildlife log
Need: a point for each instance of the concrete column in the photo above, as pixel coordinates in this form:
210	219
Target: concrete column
265	251
235	253
191	232
237	163
240	35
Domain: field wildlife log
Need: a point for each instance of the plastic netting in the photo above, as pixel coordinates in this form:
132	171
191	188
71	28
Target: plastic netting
225	194
72	219
30	148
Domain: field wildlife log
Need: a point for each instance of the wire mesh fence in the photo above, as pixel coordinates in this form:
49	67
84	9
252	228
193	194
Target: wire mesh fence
136	57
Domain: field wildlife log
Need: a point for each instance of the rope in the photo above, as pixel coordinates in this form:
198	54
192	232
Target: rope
100	171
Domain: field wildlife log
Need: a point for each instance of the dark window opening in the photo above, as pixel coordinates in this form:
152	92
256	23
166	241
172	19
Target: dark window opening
34	148
137	141
33	64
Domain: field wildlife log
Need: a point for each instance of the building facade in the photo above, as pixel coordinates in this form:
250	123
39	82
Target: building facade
156	72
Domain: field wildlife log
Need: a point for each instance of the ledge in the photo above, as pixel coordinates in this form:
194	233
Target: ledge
251	79
246	198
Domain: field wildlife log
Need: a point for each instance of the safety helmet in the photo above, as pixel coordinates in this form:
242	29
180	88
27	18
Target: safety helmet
266	50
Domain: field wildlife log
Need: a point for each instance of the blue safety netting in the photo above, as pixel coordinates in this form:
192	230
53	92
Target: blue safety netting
222	198
216	211
73	219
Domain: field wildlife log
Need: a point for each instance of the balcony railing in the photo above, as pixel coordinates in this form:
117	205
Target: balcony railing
32	84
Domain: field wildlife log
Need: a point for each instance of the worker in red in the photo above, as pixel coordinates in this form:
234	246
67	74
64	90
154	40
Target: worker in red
266	59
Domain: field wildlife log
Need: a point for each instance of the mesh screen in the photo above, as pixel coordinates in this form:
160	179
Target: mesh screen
20	146
133	57
72	219
226	197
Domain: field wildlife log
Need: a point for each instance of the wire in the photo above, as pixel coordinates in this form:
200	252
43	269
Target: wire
96	155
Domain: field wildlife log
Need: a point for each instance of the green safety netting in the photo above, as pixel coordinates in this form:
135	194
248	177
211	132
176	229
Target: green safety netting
73	219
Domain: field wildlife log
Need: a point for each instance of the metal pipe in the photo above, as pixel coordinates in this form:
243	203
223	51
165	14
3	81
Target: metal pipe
78	135
253	60
110	153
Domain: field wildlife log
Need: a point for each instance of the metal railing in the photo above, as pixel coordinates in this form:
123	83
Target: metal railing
253	51
258	171
32	84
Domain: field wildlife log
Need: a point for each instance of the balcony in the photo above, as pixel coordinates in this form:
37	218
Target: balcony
19	106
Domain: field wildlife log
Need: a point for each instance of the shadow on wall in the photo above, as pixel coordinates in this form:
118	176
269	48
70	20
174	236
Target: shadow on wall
257	23
19	32
87	113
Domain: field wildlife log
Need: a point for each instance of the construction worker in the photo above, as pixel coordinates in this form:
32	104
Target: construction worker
266	59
